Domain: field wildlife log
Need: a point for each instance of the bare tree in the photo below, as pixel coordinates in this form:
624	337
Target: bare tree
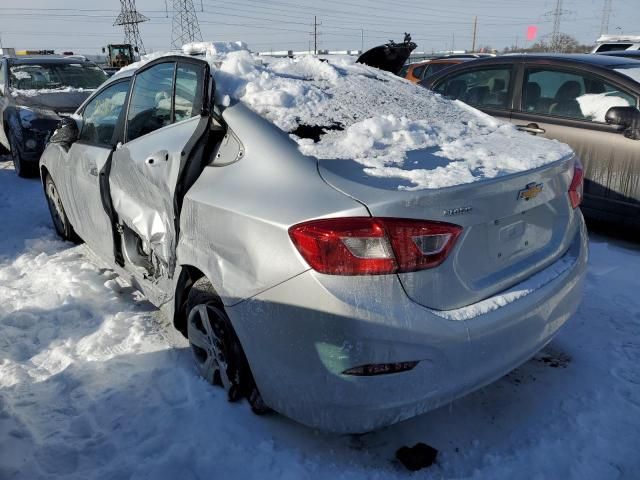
563	44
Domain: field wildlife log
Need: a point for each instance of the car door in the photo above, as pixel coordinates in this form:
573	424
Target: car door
487	87
86	160
569	104
166	117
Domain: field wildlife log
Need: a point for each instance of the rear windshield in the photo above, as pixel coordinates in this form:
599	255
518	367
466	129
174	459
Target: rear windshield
613	47
52	76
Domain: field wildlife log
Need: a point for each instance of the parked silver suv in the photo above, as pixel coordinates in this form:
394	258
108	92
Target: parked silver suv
334	291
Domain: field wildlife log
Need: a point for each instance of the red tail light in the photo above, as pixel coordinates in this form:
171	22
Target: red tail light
373	246
576	189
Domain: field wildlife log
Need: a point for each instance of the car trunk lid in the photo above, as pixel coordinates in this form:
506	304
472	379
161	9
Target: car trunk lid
513	226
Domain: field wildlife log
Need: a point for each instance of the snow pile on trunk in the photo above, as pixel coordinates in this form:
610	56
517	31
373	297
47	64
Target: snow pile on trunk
373	117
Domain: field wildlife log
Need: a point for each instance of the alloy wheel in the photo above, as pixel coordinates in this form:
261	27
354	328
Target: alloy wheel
213	350
55	206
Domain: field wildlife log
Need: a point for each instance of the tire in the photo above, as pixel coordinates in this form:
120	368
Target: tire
22	168
56	209
216	348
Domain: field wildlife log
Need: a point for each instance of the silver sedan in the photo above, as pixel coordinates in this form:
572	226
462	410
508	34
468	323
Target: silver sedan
306	285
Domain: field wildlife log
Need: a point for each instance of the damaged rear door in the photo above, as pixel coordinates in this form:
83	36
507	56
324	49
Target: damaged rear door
166	118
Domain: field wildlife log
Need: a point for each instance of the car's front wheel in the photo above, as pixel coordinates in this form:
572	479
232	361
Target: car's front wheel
216	349
56	209
22	168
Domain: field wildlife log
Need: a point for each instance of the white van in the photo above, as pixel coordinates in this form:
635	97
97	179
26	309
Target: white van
611	43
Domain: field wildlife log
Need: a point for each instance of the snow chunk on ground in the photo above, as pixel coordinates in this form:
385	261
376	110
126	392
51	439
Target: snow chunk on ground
373	117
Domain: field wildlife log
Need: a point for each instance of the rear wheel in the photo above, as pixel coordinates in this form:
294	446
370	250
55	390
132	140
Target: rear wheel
216	349
56	209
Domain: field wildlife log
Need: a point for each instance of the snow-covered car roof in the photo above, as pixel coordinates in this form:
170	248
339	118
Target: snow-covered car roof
335	108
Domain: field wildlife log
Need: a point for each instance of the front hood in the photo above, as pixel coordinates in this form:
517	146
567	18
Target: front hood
65	102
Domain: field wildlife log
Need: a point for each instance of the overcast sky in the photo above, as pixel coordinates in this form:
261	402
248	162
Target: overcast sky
84	26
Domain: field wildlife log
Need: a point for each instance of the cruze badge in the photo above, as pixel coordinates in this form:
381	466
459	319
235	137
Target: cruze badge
450	212
530	191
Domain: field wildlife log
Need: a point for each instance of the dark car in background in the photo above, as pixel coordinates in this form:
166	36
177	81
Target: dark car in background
587	101
35	93
633	54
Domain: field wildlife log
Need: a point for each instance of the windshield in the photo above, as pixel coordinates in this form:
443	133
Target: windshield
54	76
123	51
631	71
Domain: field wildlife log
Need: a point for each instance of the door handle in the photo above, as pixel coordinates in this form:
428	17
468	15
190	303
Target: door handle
532	128
93	171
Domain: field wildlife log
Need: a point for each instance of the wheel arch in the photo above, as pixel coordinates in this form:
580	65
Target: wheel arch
44	171
189	274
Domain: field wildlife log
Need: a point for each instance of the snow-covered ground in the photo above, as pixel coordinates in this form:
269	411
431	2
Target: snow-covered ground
94	384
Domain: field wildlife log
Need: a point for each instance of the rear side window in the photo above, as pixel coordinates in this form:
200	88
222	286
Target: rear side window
575	95
189	91
164	94
151	100
2	69
435	68
417	71
100	115
613	47
480	87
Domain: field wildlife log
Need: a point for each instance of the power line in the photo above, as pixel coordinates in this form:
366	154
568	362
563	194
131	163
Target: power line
185	27
129	18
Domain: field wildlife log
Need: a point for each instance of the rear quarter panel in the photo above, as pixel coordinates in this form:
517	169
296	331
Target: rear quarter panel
235	218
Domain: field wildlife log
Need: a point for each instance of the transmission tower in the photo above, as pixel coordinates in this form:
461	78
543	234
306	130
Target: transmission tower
555	45
606	13
557	16
185	27
129	18
315	34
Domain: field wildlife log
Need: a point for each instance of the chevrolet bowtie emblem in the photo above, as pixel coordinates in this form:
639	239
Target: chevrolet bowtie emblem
530	191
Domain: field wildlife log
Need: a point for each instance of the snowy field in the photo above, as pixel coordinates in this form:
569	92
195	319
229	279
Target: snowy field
94	384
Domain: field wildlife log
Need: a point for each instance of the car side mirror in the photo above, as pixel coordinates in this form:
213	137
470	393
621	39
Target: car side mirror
103	50
628	118
66	132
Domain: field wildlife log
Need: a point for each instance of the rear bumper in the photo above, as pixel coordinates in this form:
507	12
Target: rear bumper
301	335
